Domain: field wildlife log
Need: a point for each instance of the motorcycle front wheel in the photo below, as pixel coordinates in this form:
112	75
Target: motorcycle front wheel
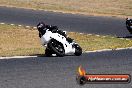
78	50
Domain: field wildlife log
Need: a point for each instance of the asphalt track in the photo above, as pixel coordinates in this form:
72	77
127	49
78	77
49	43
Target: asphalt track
68	22
56	72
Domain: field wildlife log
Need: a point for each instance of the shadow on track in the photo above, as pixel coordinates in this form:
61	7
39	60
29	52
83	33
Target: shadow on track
43	55
130	36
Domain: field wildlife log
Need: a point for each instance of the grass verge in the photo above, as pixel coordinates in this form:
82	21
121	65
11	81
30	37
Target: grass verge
16	40
92	7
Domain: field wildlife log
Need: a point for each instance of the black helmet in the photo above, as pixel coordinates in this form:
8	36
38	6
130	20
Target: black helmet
41	26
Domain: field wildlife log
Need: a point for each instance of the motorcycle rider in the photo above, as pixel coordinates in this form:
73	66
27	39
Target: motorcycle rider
42	27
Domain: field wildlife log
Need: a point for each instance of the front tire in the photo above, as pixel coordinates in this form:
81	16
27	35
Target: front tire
78	50
57	47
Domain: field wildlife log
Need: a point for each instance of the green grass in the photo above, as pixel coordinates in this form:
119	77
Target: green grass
16	40
92	7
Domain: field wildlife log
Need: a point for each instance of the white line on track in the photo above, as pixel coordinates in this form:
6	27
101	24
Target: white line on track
127	39
19	25
81	33
12	24
34	27
97	35
2	23
103	36
89	34
121	38
14	57
27	26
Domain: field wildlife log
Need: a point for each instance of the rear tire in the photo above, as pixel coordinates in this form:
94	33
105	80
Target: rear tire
48	52
57	47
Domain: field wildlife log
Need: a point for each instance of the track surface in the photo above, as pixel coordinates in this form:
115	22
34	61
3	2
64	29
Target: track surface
69	22
55	72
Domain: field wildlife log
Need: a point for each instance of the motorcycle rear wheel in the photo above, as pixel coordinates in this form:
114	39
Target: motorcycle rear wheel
48	52
56	47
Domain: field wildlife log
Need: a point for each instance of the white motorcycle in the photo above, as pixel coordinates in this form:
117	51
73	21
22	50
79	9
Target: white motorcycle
56	43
